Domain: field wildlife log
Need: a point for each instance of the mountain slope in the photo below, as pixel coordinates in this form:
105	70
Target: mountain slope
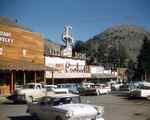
129	37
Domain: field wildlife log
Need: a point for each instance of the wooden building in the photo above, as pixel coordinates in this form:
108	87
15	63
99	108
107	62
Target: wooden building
21	57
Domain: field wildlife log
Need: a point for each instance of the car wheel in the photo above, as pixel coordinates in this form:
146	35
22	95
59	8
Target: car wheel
58	118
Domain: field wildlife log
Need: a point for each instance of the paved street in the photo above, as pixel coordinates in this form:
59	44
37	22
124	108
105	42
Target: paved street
121	108
116	108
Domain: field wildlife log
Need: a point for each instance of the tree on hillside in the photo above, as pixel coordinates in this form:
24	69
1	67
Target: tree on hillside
144	59
131	70
112	55
79	47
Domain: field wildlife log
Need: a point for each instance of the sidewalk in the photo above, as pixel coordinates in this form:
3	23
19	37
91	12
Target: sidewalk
3	99
3	116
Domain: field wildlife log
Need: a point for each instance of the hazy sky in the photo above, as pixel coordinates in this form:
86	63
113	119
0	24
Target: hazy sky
87	17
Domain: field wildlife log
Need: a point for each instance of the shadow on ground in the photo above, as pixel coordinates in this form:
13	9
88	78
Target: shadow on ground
21	118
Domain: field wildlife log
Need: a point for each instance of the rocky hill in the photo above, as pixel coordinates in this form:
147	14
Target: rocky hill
129	37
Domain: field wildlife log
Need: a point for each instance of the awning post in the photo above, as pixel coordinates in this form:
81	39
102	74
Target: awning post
53	82
24	77
12	82
35	77
44	77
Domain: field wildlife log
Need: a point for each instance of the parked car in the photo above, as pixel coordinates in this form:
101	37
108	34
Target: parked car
95	89
72	87
103	89
142	91
55	89
88	91
125	87
87	84
28	93
64	107
116	86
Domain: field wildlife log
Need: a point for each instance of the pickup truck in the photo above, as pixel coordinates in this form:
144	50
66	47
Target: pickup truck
33	91
28	93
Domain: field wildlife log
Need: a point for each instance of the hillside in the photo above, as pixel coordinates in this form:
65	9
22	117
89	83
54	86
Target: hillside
128	37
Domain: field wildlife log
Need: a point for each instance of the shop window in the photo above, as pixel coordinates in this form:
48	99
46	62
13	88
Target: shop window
24	52
1	51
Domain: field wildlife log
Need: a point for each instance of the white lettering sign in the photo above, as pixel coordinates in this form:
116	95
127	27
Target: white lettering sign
75	68
5	37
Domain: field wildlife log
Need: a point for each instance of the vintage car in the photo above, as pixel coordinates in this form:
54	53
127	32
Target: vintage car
55	89
142	91
64	107
28	93
72	87
95	89
33	91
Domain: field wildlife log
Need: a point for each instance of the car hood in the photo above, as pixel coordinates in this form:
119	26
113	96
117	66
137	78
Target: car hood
78	109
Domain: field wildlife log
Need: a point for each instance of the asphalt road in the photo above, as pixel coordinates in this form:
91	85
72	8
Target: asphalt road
116	108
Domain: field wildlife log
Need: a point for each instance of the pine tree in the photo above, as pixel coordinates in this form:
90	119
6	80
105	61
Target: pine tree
144	58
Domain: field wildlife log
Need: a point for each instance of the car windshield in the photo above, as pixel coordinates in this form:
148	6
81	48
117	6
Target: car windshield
28	86
65	100
59	101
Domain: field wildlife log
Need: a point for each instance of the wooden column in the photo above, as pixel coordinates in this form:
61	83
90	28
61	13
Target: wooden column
12	82
35	77
24	77
53	82
45	77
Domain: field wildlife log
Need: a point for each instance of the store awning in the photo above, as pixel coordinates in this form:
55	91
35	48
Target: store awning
23	66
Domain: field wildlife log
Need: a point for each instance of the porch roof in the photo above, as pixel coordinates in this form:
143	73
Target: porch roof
23	66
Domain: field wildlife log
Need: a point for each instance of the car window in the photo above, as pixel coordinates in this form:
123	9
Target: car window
66	100
60	101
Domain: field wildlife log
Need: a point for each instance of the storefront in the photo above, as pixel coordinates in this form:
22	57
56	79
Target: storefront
69	70
21	58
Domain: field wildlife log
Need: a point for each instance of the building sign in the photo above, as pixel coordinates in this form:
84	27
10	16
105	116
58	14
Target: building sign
5	37
75	68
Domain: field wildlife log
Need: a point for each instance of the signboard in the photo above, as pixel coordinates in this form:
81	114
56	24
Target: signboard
5	37
75	68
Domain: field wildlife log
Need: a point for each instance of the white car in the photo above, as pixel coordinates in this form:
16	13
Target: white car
72	87
28	93
55	89
64	107
142	91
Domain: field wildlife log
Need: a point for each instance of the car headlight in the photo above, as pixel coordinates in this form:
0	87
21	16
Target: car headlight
69	114
100	110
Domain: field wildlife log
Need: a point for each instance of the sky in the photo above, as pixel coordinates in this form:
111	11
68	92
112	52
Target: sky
87	17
